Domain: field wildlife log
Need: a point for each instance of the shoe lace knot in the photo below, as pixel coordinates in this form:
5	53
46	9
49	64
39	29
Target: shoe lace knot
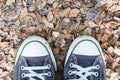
82	72
32	73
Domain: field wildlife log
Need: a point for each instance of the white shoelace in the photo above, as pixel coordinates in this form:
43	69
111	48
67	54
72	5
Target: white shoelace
34	74
83	73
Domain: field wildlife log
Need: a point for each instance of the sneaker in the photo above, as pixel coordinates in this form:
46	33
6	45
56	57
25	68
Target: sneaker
84	60
35	60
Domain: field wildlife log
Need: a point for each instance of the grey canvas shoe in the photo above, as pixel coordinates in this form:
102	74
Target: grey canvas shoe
84	60
35	60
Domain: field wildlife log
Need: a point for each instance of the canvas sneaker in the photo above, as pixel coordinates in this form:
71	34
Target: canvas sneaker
84	60
35	60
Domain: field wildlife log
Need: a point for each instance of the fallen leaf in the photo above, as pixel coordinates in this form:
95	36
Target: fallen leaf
13	52
55	4
9	2
114	76
9	66
5	73
50	1
74	12
55	34
23	13
67	33
50	16
57	11
90	24
3	44
110	49
47	23
117	51
1	71
114	8
56	50
117	18
108	72
65	12
87	31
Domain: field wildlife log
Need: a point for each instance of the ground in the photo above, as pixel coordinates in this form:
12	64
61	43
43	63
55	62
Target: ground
59	22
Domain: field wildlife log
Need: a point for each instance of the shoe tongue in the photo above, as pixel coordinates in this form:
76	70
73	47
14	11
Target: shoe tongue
35	61
86	61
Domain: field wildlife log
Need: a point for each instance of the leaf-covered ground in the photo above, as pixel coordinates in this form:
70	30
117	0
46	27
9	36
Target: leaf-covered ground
59	22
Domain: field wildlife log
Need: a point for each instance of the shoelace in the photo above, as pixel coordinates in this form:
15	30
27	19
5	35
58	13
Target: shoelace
83	73
32	73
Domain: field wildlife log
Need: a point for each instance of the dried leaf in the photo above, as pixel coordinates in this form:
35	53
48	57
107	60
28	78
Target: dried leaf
117	18
50	1
90	24
9	2
5	73
117	51
13	52
87	31
50	16
67	33
55	34
114	76
47	23
74	12
3	44
65	12
23	13
114	8
110	49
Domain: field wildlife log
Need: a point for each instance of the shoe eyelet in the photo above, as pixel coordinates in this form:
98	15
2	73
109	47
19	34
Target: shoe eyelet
96	74
97	66
22	67
49	66
23	75
49	74
71	65
69	72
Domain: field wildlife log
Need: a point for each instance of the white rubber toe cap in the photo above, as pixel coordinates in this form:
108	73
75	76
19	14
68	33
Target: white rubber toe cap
85	45
87	48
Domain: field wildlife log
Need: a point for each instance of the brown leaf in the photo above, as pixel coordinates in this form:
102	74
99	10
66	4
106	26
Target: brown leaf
50	16
55	34
114	8
9	2
114	76
117	51
117	18
5	73
47	23
65	12
13	52
23	13
87	31
67	33
4	44
74	12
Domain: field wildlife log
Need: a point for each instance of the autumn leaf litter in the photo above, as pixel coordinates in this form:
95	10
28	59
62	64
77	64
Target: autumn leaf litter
59	22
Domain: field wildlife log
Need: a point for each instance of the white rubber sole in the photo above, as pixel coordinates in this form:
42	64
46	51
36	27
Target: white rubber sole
79	39
43	41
